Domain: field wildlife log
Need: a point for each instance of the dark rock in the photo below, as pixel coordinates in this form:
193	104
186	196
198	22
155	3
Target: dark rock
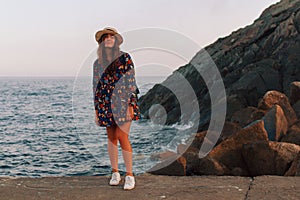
278	9
191	156
198	166
293	134
235	103
294	170
294	92
256	79
196	140
160	95
229	129
174	166
191	153
296	108
208	166
247	115
275	123
297	21
237	171
274	97
228	152
269	158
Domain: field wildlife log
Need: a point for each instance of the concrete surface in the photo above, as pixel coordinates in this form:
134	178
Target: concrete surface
151	187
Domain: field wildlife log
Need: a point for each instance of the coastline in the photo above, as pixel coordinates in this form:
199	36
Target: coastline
152	187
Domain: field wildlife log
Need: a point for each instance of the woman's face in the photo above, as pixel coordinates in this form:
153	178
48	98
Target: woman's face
109	40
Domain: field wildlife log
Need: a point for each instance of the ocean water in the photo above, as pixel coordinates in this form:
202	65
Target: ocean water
47	129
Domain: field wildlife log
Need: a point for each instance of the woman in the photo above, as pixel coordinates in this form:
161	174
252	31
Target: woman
115	99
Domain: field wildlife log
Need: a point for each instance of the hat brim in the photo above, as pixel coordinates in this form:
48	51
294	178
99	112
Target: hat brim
117	35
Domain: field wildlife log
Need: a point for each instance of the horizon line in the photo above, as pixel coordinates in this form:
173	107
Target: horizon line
55	76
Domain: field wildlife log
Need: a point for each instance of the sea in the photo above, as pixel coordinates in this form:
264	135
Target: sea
47	128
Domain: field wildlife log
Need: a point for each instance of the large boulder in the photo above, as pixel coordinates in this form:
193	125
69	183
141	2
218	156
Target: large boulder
228	152
188	154
293	134
208	166
191	156
296	108
235	102
294	92
275	123
196	140
247	115
191	151
228	130
256	79
294	170
174	165
269	158
272	98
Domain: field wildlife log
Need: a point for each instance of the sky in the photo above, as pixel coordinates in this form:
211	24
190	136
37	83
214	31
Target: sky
55	37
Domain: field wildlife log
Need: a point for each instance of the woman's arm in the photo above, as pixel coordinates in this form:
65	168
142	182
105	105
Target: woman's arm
131	81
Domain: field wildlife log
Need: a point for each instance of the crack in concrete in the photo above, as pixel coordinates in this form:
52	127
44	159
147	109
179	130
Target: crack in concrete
249	187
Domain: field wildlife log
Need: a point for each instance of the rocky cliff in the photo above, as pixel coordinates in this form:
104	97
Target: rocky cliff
252	60
260	67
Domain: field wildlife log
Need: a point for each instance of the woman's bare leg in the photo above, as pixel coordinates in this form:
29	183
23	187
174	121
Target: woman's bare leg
123	133
112	147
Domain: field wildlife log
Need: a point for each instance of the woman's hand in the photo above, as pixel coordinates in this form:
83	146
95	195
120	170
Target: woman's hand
96	118
130	112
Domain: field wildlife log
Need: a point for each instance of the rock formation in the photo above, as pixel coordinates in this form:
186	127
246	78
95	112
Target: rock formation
260	57
260	67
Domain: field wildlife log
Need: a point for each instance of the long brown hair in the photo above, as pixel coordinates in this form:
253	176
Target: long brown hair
102	57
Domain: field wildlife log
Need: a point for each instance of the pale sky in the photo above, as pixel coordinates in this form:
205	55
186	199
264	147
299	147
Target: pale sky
54	37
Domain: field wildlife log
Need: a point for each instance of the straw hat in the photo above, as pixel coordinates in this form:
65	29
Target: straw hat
109	30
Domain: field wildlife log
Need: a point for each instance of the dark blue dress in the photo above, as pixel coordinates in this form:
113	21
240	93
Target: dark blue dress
115	89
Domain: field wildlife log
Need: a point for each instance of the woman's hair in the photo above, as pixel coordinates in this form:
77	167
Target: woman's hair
102	57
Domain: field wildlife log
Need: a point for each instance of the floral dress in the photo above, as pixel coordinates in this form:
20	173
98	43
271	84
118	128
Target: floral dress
115	90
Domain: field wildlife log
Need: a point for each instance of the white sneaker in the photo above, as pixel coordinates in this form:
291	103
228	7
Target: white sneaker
115	178
129	183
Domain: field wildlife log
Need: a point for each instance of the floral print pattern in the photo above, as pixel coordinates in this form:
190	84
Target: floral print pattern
115	91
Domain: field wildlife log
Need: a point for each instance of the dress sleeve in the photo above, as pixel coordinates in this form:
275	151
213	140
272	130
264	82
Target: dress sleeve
95	84
130	80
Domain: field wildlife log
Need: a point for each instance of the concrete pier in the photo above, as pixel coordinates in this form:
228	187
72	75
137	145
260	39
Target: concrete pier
151	187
